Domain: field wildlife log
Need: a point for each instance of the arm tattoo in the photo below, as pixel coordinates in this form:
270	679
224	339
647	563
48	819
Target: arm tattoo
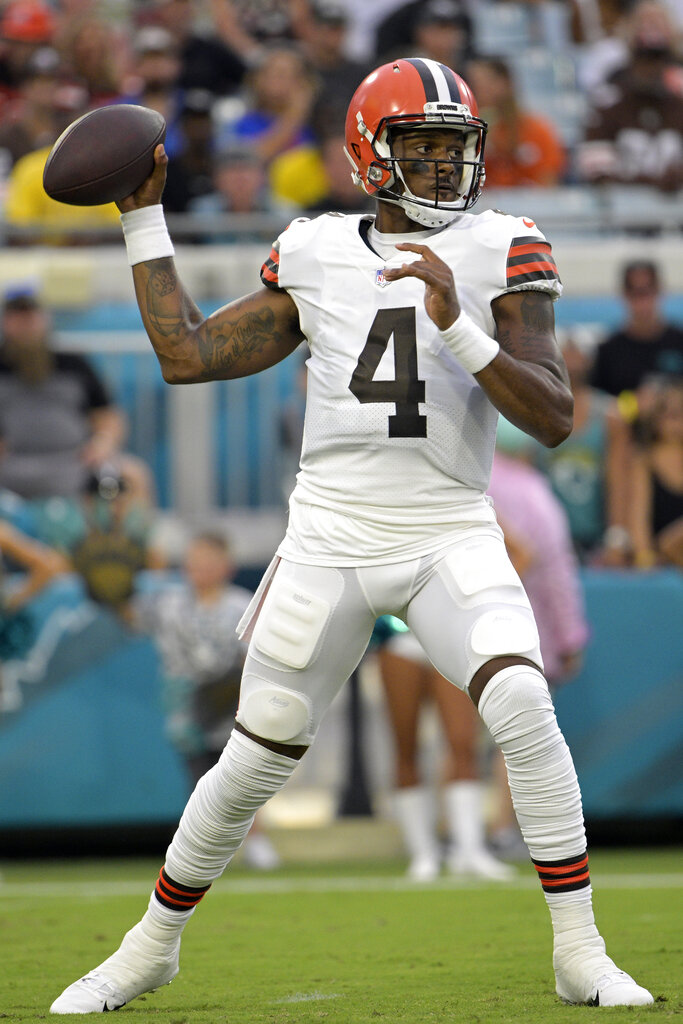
533	341
236	342
162	302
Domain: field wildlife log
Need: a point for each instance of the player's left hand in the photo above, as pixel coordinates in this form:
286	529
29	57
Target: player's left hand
441	298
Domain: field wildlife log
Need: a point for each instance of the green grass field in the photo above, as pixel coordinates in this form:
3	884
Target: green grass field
340	943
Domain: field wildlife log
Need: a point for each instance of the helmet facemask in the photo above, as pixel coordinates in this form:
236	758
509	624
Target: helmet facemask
388	177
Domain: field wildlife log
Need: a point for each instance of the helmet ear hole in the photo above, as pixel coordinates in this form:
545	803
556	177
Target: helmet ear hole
356	149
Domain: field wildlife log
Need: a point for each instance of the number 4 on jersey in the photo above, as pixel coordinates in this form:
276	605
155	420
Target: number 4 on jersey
406	390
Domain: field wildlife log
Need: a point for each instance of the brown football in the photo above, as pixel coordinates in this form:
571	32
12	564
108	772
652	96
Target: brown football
104	155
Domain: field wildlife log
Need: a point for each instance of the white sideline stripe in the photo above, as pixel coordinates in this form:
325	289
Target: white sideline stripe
256	886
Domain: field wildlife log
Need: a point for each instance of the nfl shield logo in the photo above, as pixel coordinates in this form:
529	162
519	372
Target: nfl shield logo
380	279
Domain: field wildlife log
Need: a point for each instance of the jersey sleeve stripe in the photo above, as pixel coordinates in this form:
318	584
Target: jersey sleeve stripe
532	257
522	276
521	250
271	268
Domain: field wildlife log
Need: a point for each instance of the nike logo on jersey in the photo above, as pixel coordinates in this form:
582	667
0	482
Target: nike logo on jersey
528	223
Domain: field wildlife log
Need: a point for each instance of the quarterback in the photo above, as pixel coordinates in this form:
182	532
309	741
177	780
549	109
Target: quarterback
423	322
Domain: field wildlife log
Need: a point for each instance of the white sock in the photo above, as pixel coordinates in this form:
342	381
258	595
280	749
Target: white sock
464	805
517	708
221	809
415	811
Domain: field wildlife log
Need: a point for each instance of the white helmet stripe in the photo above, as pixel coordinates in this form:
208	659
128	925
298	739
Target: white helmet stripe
443	91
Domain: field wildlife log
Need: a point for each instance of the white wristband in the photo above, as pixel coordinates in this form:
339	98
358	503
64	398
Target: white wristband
146	234
472	346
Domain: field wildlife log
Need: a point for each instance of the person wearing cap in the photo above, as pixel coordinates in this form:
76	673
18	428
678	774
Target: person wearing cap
25	26
57	419
440	29
37	116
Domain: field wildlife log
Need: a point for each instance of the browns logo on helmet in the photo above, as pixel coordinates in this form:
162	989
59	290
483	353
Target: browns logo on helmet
413	92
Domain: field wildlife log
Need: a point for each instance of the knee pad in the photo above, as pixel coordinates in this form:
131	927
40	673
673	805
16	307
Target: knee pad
275	713
290	624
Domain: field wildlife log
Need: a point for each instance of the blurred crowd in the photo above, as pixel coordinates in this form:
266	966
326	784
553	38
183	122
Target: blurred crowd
255	95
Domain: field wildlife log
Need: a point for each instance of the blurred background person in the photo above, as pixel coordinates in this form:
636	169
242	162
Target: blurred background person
193	624
645	343
96	54
191	172
239	185
522	148
25	26
322	35
589	471
206	60
634	133
37	115
279	94
656	507
410	683
439	29
154	81
539	542
340	193
57	420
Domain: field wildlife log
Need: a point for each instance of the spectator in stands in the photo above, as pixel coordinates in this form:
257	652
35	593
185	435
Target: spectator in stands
522	148
106	533
194	625
410	682
645	344
25	25
278	124
539	544
155	80
239	186
206	62
33	218
657	481
340	194
191	172
280	94
96	54
589	471
440	29
322	36
26	568
634	133
37	115
56	419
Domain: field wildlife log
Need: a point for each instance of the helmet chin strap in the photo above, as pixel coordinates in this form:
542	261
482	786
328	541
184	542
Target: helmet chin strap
427	216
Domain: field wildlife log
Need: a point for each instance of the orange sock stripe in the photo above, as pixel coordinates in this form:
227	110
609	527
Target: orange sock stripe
176	896
563	869
564	881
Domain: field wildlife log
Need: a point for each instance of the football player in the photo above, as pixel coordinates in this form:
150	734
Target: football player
423	322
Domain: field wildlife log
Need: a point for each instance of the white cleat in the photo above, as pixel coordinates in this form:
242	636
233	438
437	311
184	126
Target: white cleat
424	869
595	980
139	965
480	864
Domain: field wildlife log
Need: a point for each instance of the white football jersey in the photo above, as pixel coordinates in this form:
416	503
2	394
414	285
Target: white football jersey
398	436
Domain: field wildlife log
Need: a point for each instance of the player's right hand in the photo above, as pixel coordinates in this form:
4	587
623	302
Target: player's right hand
150	192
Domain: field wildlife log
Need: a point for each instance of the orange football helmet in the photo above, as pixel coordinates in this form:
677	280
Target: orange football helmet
413	92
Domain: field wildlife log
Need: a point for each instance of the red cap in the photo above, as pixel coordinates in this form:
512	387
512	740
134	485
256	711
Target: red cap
27	21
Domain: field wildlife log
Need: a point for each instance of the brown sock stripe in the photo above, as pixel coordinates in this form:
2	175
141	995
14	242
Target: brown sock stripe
176	896
564	875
